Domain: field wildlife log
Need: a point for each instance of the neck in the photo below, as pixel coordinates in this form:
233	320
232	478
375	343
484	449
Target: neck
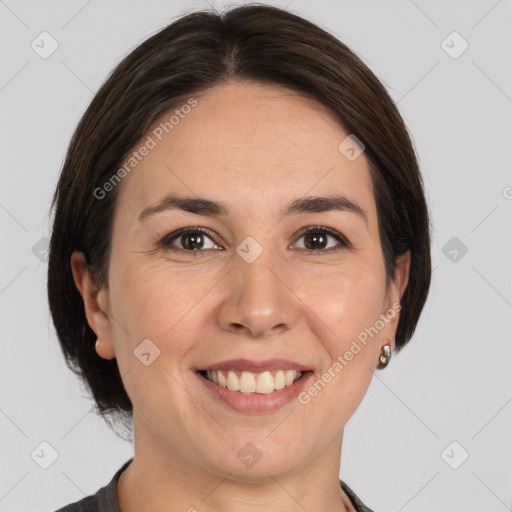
160	477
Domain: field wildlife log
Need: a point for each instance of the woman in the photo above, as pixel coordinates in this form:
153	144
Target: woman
240	239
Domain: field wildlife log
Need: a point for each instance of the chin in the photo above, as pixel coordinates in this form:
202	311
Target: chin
249	464
261	472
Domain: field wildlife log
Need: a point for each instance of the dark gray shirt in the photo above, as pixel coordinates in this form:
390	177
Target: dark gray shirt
105	500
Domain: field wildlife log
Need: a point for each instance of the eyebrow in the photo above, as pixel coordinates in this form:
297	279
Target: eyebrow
202	206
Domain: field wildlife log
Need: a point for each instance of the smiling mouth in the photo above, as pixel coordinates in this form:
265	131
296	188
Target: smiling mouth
248	382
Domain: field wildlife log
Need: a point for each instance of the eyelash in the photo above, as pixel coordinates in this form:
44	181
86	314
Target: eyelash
165	242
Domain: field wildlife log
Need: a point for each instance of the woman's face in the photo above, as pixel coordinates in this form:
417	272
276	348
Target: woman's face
251	287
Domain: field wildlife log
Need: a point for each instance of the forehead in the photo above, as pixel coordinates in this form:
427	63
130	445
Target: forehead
248	145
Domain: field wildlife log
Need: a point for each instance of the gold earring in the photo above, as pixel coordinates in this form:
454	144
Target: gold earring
385	356
97	346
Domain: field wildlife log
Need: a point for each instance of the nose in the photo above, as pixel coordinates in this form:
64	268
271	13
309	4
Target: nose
259	299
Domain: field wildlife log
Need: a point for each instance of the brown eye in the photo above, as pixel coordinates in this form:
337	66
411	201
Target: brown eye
192	241
317	239
188	239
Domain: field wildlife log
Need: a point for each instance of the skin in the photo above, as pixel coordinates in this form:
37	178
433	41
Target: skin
255	148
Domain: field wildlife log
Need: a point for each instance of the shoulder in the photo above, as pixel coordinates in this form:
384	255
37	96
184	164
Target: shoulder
358	504
105	499
88	504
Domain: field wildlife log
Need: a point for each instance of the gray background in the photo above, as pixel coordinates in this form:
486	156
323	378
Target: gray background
451	384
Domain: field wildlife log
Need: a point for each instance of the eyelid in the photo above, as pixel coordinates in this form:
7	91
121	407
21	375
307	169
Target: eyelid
343	240
165	242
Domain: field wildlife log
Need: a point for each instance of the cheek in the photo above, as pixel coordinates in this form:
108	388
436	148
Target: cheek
157	302
346	299
153	303
347	303
166	302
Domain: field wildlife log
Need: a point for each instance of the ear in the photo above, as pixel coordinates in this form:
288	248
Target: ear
95	303
394	294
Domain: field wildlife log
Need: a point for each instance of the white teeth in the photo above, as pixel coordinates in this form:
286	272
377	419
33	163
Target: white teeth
222	380
265	383
233	382
249	382
279	382
289	377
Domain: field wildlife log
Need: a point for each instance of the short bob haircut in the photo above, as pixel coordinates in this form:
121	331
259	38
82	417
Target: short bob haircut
255	44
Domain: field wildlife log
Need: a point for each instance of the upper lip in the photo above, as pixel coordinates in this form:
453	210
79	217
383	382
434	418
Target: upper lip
256	366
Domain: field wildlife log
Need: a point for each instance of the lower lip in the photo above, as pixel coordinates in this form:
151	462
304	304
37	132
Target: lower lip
257	402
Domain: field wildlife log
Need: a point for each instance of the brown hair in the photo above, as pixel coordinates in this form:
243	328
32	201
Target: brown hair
254	43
